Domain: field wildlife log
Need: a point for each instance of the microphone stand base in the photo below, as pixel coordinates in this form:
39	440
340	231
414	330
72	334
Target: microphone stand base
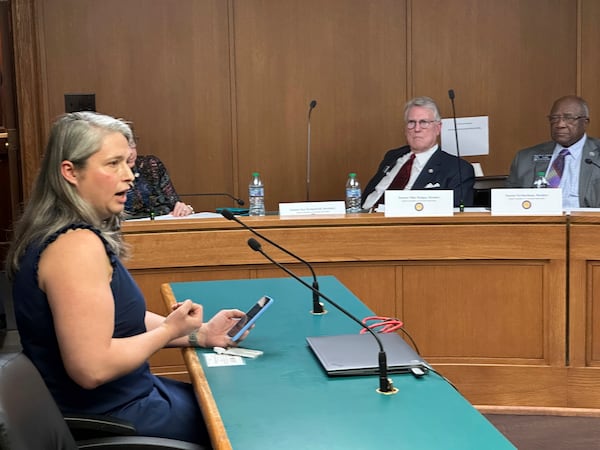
319	313
393	391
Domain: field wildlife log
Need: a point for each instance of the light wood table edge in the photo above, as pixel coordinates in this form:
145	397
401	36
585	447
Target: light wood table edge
539	411
212	417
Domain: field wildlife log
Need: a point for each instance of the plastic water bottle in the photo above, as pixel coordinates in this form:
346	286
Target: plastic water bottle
540	180
256	195
353	194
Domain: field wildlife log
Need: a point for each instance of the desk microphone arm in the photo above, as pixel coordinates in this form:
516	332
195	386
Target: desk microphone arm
386	386
317	305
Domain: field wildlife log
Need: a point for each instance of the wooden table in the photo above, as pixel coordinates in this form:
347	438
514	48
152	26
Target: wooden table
484	296
284	399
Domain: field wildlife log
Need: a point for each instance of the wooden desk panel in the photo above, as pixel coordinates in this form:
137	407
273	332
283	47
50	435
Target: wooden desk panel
484	311
584	310
484	297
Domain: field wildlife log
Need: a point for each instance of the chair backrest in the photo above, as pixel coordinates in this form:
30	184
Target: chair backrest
9	335
29	416
483	188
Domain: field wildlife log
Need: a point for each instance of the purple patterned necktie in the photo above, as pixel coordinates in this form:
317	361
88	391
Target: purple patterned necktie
556	171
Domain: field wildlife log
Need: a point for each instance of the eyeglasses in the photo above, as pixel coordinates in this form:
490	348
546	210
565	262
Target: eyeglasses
422	123
567	118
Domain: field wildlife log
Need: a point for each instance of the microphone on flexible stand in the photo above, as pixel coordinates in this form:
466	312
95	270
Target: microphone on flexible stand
461	205
590	162
386	386
311	106
317	305
239	201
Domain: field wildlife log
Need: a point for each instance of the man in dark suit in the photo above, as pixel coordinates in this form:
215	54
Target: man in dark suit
421	164
580	179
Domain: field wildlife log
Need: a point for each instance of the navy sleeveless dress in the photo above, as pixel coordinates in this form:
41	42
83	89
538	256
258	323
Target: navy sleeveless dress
157	406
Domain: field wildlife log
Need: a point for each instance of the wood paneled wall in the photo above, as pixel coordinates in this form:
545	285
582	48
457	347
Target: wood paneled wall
220	88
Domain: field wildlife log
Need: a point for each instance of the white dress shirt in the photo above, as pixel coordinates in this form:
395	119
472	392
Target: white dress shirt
419	162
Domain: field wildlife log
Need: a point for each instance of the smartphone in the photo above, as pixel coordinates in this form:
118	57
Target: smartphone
251	316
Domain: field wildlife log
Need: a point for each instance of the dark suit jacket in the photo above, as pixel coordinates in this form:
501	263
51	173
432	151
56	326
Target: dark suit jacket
528	162
441	168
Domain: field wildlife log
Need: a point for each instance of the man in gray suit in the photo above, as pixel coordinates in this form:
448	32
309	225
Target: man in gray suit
580	179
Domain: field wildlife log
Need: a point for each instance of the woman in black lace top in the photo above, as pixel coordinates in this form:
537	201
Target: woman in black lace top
153	193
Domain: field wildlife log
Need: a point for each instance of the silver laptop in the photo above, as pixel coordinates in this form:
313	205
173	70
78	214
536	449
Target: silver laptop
357	354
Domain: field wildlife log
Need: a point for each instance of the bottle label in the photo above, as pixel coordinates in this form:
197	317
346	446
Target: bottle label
256	191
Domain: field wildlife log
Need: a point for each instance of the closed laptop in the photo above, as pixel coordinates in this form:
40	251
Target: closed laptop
357	354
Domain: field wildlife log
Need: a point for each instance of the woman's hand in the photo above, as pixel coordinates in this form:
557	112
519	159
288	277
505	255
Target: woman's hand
185	318
181	209
214	332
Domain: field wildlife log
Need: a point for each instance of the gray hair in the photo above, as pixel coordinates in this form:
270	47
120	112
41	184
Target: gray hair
54	202
424	102
576	99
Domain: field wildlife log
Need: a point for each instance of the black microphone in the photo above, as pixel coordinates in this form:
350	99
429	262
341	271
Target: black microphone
317	305
589	161
239	201
461	204
312	106
152	207
385	384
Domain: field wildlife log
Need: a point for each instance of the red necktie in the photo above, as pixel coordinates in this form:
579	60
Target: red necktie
400	180
403	175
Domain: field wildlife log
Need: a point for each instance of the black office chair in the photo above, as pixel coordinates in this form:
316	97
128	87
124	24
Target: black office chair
31	420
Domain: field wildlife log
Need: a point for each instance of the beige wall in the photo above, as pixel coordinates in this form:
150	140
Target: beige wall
221	88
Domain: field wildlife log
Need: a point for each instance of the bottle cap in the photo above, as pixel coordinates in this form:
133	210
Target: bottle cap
255	174
540	174
352	175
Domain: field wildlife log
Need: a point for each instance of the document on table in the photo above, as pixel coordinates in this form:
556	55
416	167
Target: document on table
199	215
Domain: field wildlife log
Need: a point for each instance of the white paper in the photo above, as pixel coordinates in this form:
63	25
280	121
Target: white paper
570	210
473	136
199	215
214	360
526	202
477	169
423	203
312	208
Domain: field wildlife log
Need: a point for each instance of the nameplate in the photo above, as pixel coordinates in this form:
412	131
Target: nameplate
425	203
526	202
312	209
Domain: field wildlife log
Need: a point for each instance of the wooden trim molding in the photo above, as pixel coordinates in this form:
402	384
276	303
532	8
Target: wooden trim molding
29	90
207	403
538	411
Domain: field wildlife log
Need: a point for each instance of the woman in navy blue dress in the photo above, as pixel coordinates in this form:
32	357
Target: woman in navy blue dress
81	317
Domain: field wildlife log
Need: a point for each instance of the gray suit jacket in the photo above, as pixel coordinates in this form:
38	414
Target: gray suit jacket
528	162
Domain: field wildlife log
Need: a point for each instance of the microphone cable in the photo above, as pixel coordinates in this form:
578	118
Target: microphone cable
391	325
